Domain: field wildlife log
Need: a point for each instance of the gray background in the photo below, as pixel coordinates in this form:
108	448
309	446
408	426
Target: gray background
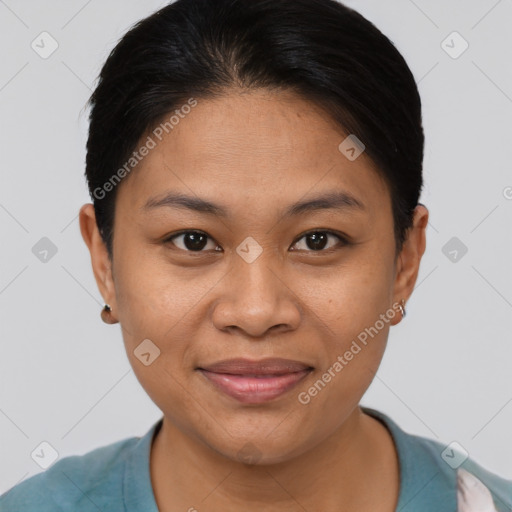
64	375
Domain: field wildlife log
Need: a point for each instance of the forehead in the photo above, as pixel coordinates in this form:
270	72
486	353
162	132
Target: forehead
259	146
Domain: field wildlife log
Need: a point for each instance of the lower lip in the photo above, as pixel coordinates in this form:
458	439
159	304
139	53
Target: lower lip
254	390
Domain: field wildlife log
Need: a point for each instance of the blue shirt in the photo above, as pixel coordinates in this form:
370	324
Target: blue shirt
116	478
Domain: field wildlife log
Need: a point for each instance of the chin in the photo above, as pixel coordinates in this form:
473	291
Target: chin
259	449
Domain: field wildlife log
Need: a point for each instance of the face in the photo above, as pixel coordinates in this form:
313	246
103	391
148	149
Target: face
254	275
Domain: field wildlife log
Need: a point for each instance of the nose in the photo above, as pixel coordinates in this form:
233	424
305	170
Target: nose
256	300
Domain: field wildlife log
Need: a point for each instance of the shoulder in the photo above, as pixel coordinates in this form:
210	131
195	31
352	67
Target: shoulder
476	487
78	482
444	474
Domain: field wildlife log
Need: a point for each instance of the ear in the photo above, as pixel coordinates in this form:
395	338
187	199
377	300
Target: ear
408	261
101	263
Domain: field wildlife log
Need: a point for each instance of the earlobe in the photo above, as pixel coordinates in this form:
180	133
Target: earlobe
100	260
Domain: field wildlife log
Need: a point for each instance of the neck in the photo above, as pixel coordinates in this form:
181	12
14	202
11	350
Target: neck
350	470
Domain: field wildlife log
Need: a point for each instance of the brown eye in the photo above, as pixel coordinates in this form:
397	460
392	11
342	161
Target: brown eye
318	241
192	241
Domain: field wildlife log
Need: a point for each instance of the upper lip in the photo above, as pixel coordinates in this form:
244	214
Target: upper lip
270	366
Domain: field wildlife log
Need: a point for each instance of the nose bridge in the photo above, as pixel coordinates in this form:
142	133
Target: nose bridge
256	298
254	274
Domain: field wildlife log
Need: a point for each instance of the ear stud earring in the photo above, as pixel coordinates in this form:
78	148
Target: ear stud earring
106	315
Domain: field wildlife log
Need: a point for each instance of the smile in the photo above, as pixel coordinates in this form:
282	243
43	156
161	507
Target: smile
255	382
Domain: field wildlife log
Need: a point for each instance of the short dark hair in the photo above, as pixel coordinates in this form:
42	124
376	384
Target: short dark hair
326	52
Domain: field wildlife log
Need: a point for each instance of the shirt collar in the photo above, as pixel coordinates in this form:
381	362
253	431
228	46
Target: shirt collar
415	478
137	488
420	475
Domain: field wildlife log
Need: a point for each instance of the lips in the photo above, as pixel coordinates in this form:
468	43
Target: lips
263	367
255	381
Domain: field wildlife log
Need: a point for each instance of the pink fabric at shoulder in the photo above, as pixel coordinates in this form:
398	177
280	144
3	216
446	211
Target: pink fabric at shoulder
472	494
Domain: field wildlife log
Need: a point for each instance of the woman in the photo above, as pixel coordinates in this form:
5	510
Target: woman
255	168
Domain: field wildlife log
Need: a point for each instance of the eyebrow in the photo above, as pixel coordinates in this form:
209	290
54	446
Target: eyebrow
338	200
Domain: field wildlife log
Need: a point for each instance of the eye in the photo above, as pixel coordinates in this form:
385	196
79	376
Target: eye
191	241
197	241
317	241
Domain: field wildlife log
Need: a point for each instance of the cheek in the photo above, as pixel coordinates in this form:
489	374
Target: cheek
351	297
167	307
151	297
157	325
355	307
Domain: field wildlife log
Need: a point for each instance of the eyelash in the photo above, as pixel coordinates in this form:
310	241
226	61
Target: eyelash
343	241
